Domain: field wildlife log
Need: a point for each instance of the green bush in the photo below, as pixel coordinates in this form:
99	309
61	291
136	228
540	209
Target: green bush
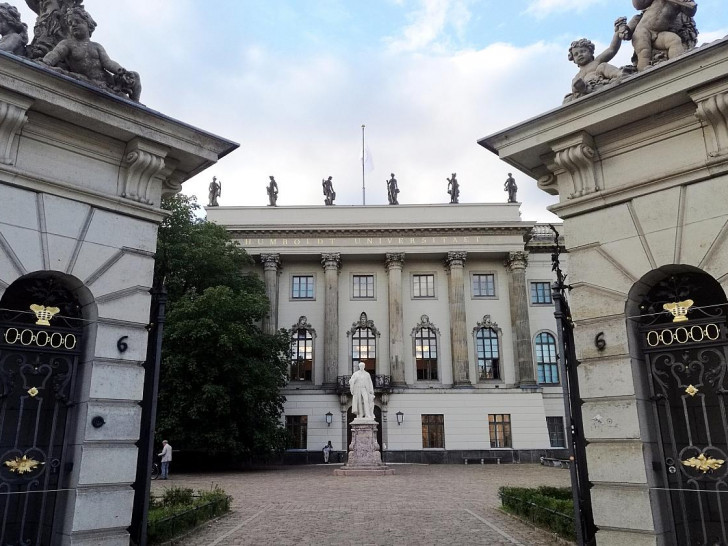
179	510
547	507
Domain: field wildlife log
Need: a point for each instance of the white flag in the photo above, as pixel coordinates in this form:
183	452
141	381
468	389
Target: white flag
366	160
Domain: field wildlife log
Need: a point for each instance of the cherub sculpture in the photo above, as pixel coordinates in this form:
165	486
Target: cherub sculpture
14	31
664	30
453	188
87	60
329	193
50	26
272	190
595	72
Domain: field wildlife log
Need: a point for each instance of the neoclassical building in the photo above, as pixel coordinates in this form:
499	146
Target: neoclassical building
449	308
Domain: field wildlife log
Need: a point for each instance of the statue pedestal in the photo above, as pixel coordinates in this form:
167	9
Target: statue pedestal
364	456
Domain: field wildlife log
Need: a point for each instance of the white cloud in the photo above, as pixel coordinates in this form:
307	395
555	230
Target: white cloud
708	37
430	24
543	8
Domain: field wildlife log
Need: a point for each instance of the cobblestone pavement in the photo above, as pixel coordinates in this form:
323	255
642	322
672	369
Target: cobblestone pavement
420	505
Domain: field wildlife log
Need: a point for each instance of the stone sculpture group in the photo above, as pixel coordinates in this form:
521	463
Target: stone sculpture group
62	41
663	30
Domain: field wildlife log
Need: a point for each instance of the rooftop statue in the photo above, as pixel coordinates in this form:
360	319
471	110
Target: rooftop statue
215	190
453	188
511	187
272	190
392	191
596	72
50	26
664	30
329	193
87	60
14	31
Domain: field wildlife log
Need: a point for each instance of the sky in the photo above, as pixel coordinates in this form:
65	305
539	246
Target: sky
293	81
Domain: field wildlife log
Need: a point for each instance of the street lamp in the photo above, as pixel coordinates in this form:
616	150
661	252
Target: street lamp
400	417
329	418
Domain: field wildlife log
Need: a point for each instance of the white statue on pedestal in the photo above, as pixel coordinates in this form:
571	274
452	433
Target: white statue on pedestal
362	392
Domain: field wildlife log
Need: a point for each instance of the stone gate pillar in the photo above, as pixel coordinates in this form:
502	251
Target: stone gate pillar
331	263
395	262
455	262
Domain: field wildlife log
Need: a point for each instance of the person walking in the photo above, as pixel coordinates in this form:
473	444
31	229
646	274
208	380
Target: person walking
166	456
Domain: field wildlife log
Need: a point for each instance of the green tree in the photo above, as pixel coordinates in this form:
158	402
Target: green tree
221	376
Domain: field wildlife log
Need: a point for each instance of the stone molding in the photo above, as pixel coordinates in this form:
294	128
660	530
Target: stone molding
425	323
394	259
145	162
13	116
303	324
516	260
271	262
363	322
172	179
575	157
712	111
331	260
456	259
487	323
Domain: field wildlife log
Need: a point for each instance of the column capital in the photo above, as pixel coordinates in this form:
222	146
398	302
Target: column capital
517	260
271	262
456	259
394	259
331	260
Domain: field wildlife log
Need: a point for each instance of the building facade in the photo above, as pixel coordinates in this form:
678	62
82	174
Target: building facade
446	305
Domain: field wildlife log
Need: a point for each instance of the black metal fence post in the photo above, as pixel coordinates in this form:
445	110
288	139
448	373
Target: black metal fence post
142	485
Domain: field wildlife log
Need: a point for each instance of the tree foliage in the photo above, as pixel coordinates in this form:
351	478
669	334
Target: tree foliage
221	376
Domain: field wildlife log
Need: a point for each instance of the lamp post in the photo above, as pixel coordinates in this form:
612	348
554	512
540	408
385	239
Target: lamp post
400	417
329	418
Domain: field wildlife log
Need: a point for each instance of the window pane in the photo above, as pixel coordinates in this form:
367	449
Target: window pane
423	286
302	287
364	349
433	431
499	426
363	286
487	350
555	427
301	355
546	359
483	285
540	292
297	428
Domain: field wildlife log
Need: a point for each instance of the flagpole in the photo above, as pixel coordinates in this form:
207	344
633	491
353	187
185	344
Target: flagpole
363	184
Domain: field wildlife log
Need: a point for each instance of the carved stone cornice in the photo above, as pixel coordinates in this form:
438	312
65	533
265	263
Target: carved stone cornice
363	322
487	323
394	259
517	260
455	259
171	178
575	158
144	162
331	260
303	324
712	111
425	323
271	262
13	116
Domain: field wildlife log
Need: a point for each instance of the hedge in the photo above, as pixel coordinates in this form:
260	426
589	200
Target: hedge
550	508
180	509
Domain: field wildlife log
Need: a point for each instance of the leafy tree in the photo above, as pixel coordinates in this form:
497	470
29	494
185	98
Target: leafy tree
221	376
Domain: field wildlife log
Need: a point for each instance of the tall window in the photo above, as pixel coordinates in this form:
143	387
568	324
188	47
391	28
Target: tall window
555	427
483	285
426	353
548	366
433	431
301	355
363	286
540	293
500	430
423	286
486	347
364	349
297	428
302	287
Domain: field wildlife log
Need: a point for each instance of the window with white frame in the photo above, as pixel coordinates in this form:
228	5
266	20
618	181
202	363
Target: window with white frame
364	344
483	285
424	337
302	287
362	287
487	349
423	285
546	358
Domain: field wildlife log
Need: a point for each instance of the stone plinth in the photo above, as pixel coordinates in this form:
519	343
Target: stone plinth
364	456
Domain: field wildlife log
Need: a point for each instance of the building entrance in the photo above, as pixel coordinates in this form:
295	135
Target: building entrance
40	346
685	342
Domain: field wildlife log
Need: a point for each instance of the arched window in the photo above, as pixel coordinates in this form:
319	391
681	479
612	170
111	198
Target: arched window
487	349
424	336
548	366
302	336
364	344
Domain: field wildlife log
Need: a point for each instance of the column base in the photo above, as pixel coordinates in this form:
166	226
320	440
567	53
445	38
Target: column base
364	456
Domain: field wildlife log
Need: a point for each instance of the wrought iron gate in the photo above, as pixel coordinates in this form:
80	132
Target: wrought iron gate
687	360
39	354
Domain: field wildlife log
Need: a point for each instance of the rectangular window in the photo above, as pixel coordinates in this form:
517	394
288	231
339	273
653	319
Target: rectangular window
423	286
363	287
433	431
555	426
302	287
500	430
540	293
297	428
483	285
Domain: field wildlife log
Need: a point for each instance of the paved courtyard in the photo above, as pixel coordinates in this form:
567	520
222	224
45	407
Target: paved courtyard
421	505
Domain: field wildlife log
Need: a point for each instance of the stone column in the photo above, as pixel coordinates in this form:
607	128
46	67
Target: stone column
458	328
271	267
331	262
394	263
518	293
